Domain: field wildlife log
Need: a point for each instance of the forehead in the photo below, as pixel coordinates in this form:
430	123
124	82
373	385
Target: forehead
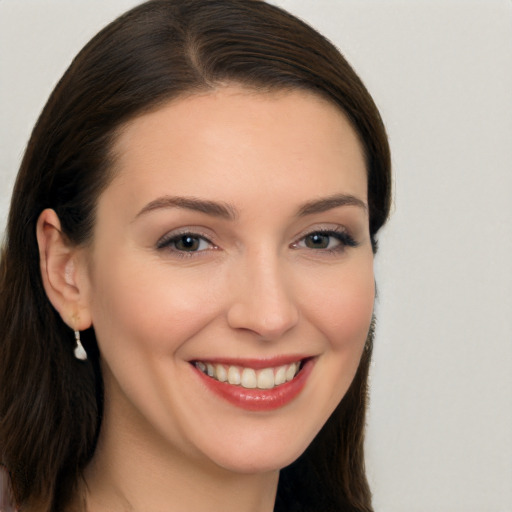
262	140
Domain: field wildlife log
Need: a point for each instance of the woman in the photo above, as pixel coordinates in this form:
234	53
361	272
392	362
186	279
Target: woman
187	277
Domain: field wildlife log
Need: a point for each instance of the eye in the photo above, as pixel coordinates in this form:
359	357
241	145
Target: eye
330	240
185	243
320	241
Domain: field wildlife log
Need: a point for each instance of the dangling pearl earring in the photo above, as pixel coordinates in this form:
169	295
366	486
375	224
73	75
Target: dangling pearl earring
79	351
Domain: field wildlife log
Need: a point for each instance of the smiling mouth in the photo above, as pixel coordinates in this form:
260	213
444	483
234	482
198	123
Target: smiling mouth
250	378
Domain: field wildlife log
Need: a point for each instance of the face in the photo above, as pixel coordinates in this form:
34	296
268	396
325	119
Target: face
230	278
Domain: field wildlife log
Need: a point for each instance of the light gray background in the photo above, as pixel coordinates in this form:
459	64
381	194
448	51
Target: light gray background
440	424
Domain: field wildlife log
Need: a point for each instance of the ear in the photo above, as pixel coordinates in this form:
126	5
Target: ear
64	272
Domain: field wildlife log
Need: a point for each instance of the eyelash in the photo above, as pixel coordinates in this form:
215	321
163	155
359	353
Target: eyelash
167	242
345	240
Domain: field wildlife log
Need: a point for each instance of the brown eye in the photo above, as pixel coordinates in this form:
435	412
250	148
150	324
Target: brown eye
318	241
329	241
187	243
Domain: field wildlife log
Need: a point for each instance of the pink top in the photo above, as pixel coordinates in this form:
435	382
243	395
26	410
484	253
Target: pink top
6	497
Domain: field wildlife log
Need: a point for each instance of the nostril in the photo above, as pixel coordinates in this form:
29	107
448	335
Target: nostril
265	308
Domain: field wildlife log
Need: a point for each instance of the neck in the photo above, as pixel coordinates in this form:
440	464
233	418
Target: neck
136	470
113	486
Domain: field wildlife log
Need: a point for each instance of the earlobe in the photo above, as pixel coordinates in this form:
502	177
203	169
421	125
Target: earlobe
59	264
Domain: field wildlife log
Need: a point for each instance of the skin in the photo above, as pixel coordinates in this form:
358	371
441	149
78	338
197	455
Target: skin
254	289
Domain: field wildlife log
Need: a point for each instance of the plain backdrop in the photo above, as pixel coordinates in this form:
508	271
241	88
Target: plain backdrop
440	423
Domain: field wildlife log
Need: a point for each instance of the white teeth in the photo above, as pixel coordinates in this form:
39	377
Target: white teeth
280	377
291	372
267	378
221	373
249	378
234	376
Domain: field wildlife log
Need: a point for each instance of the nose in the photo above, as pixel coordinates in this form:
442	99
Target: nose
263	301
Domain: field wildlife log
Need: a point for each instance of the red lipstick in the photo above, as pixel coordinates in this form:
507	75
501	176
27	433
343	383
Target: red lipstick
259	399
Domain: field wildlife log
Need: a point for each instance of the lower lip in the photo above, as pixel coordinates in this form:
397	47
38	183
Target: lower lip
259	399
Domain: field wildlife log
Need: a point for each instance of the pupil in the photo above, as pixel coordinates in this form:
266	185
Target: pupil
188	243
318	241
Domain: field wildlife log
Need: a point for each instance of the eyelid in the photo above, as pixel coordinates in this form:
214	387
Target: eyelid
340	232
172	236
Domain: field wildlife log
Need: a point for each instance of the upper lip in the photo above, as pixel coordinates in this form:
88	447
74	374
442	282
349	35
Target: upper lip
255	363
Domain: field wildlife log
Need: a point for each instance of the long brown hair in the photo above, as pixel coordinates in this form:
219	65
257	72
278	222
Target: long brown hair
51	405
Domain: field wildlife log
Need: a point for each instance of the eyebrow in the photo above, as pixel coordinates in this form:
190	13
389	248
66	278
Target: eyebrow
329	203
213	208
229	212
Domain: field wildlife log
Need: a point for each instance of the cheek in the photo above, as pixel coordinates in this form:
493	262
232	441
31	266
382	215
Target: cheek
147	308
342	307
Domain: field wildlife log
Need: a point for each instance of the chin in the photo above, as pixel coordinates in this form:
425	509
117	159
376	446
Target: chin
258	451
259	463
